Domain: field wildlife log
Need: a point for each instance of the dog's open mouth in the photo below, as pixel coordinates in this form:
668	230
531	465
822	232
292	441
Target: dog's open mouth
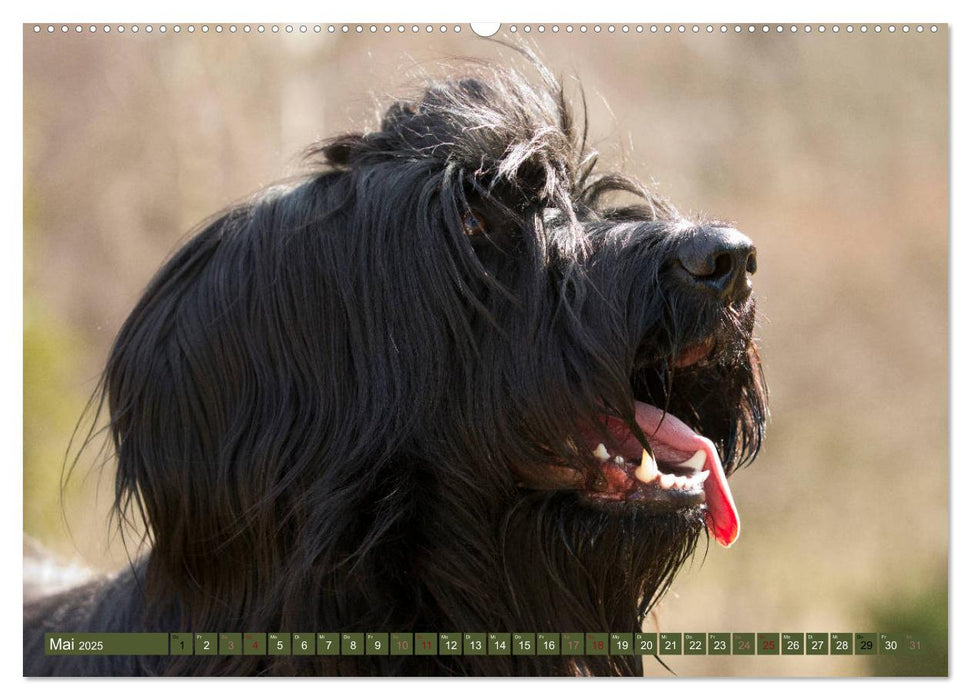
682	468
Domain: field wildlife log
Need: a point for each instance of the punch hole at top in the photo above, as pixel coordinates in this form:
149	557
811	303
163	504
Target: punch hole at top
485	29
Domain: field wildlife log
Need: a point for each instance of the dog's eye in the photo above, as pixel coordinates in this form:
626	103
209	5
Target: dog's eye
473	223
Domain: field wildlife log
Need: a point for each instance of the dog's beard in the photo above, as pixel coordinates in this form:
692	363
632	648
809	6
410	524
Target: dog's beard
596	570
563	567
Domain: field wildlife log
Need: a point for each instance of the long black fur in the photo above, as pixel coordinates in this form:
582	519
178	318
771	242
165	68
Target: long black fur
336	407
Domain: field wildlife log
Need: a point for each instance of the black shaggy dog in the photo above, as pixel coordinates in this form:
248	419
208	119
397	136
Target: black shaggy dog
450	382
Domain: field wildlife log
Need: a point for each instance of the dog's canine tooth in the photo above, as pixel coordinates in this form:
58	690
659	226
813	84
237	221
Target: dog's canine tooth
601	453
695	461
700	478
647	471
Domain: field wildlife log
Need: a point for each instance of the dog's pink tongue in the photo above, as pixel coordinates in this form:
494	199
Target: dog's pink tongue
661	427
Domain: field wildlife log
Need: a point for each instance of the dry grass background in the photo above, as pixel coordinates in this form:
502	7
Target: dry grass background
829	151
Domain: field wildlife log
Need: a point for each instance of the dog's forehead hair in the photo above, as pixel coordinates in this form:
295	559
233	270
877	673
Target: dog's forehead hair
494	128
498	131
497	140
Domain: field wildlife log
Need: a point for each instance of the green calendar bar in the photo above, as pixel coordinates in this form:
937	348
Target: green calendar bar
481	643
106	644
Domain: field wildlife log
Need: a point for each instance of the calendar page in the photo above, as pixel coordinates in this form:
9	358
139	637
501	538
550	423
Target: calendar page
513	349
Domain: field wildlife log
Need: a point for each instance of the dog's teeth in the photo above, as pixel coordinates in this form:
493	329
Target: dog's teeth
647	471
618	459
667	480
700	478
601	453
695	461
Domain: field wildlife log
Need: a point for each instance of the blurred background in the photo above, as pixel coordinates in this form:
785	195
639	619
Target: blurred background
830	151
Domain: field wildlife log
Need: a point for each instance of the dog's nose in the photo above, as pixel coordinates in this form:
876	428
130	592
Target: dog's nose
720	260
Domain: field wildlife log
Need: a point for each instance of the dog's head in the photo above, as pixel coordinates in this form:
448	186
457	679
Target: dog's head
456	346
595	347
